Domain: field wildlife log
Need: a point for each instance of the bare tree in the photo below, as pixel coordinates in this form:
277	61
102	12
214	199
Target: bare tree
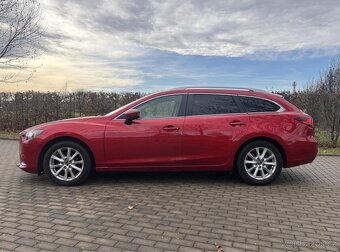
328	88
19	38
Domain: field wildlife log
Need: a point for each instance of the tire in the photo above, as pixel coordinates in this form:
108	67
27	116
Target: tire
67	163
256	169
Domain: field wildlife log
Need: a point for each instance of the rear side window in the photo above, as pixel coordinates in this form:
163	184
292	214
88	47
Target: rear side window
252	104
206	104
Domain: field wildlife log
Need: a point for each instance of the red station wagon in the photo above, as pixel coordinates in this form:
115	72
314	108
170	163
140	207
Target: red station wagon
257	133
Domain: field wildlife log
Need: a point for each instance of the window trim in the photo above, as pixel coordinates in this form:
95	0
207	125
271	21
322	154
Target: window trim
281	108
185	106
190	104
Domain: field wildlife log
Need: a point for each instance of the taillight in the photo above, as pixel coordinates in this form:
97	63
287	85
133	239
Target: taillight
305	119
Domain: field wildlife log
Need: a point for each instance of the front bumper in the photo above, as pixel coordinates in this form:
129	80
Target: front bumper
22	165
29	154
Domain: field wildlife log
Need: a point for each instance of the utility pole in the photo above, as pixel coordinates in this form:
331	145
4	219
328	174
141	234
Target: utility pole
65	88
294	87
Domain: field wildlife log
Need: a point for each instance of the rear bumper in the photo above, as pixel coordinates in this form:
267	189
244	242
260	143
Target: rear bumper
303	151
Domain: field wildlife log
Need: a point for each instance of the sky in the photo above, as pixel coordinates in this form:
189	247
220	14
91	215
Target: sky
153	45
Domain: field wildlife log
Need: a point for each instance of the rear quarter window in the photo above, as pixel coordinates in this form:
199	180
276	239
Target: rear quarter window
252	104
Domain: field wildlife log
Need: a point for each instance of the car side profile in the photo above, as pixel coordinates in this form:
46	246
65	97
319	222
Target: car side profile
254	132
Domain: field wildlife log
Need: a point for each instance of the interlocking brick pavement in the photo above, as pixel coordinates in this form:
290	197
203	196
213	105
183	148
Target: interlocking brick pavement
173	211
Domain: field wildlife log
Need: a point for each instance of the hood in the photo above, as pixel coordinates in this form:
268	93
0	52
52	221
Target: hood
70	120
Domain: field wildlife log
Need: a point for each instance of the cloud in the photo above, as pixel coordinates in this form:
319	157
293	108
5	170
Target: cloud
216	27
103	43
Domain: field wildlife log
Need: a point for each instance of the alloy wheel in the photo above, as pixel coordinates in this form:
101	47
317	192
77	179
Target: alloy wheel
260	163
66	164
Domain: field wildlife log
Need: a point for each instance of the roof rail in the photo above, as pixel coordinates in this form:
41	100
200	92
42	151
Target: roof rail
212	87
219	87
224	88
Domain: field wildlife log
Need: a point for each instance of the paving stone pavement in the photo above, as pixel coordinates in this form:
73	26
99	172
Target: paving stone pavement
172	211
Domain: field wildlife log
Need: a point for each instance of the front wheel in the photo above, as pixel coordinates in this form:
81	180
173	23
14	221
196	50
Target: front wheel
67	163
259	163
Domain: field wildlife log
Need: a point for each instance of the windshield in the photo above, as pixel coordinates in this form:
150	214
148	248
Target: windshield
122	108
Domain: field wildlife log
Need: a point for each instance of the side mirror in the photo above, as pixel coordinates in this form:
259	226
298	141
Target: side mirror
131	115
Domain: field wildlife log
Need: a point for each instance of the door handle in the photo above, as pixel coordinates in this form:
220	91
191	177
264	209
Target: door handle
170	128
237	123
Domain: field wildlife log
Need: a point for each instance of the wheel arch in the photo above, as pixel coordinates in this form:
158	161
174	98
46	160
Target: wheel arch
59	139
268	139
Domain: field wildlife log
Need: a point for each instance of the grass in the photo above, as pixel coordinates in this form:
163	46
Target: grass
9	135
323	138
321	135
329	151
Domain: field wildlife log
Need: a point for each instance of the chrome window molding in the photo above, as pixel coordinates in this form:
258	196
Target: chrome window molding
281	109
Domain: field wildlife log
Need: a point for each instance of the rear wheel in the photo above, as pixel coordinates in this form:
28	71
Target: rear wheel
67	163
259	163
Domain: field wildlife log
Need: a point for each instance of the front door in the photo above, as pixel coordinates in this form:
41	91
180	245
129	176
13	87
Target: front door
153	140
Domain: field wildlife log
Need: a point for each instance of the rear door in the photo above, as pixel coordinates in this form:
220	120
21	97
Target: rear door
213	124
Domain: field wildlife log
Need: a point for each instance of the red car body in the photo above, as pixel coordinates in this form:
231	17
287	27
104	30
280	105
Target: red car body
187	142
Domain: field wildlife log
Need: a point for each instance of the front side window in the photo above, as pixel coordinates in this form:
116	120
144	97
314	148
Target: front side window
209	104
252	104
162	107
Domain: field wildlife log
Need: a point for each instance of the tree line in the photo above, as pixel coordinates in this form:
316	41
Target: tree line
21	110
24	109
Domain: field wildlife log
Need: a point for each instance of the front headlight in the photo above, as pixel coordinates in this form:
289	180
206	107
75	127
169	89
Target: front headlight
33	133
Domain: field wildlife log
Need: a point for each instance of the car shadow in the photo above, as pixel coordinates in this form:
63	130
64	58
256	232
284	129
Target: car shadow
183	177
164	177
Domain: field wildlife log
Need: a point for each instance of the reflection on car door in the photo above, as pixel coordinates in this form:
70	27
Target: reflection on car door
213	123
